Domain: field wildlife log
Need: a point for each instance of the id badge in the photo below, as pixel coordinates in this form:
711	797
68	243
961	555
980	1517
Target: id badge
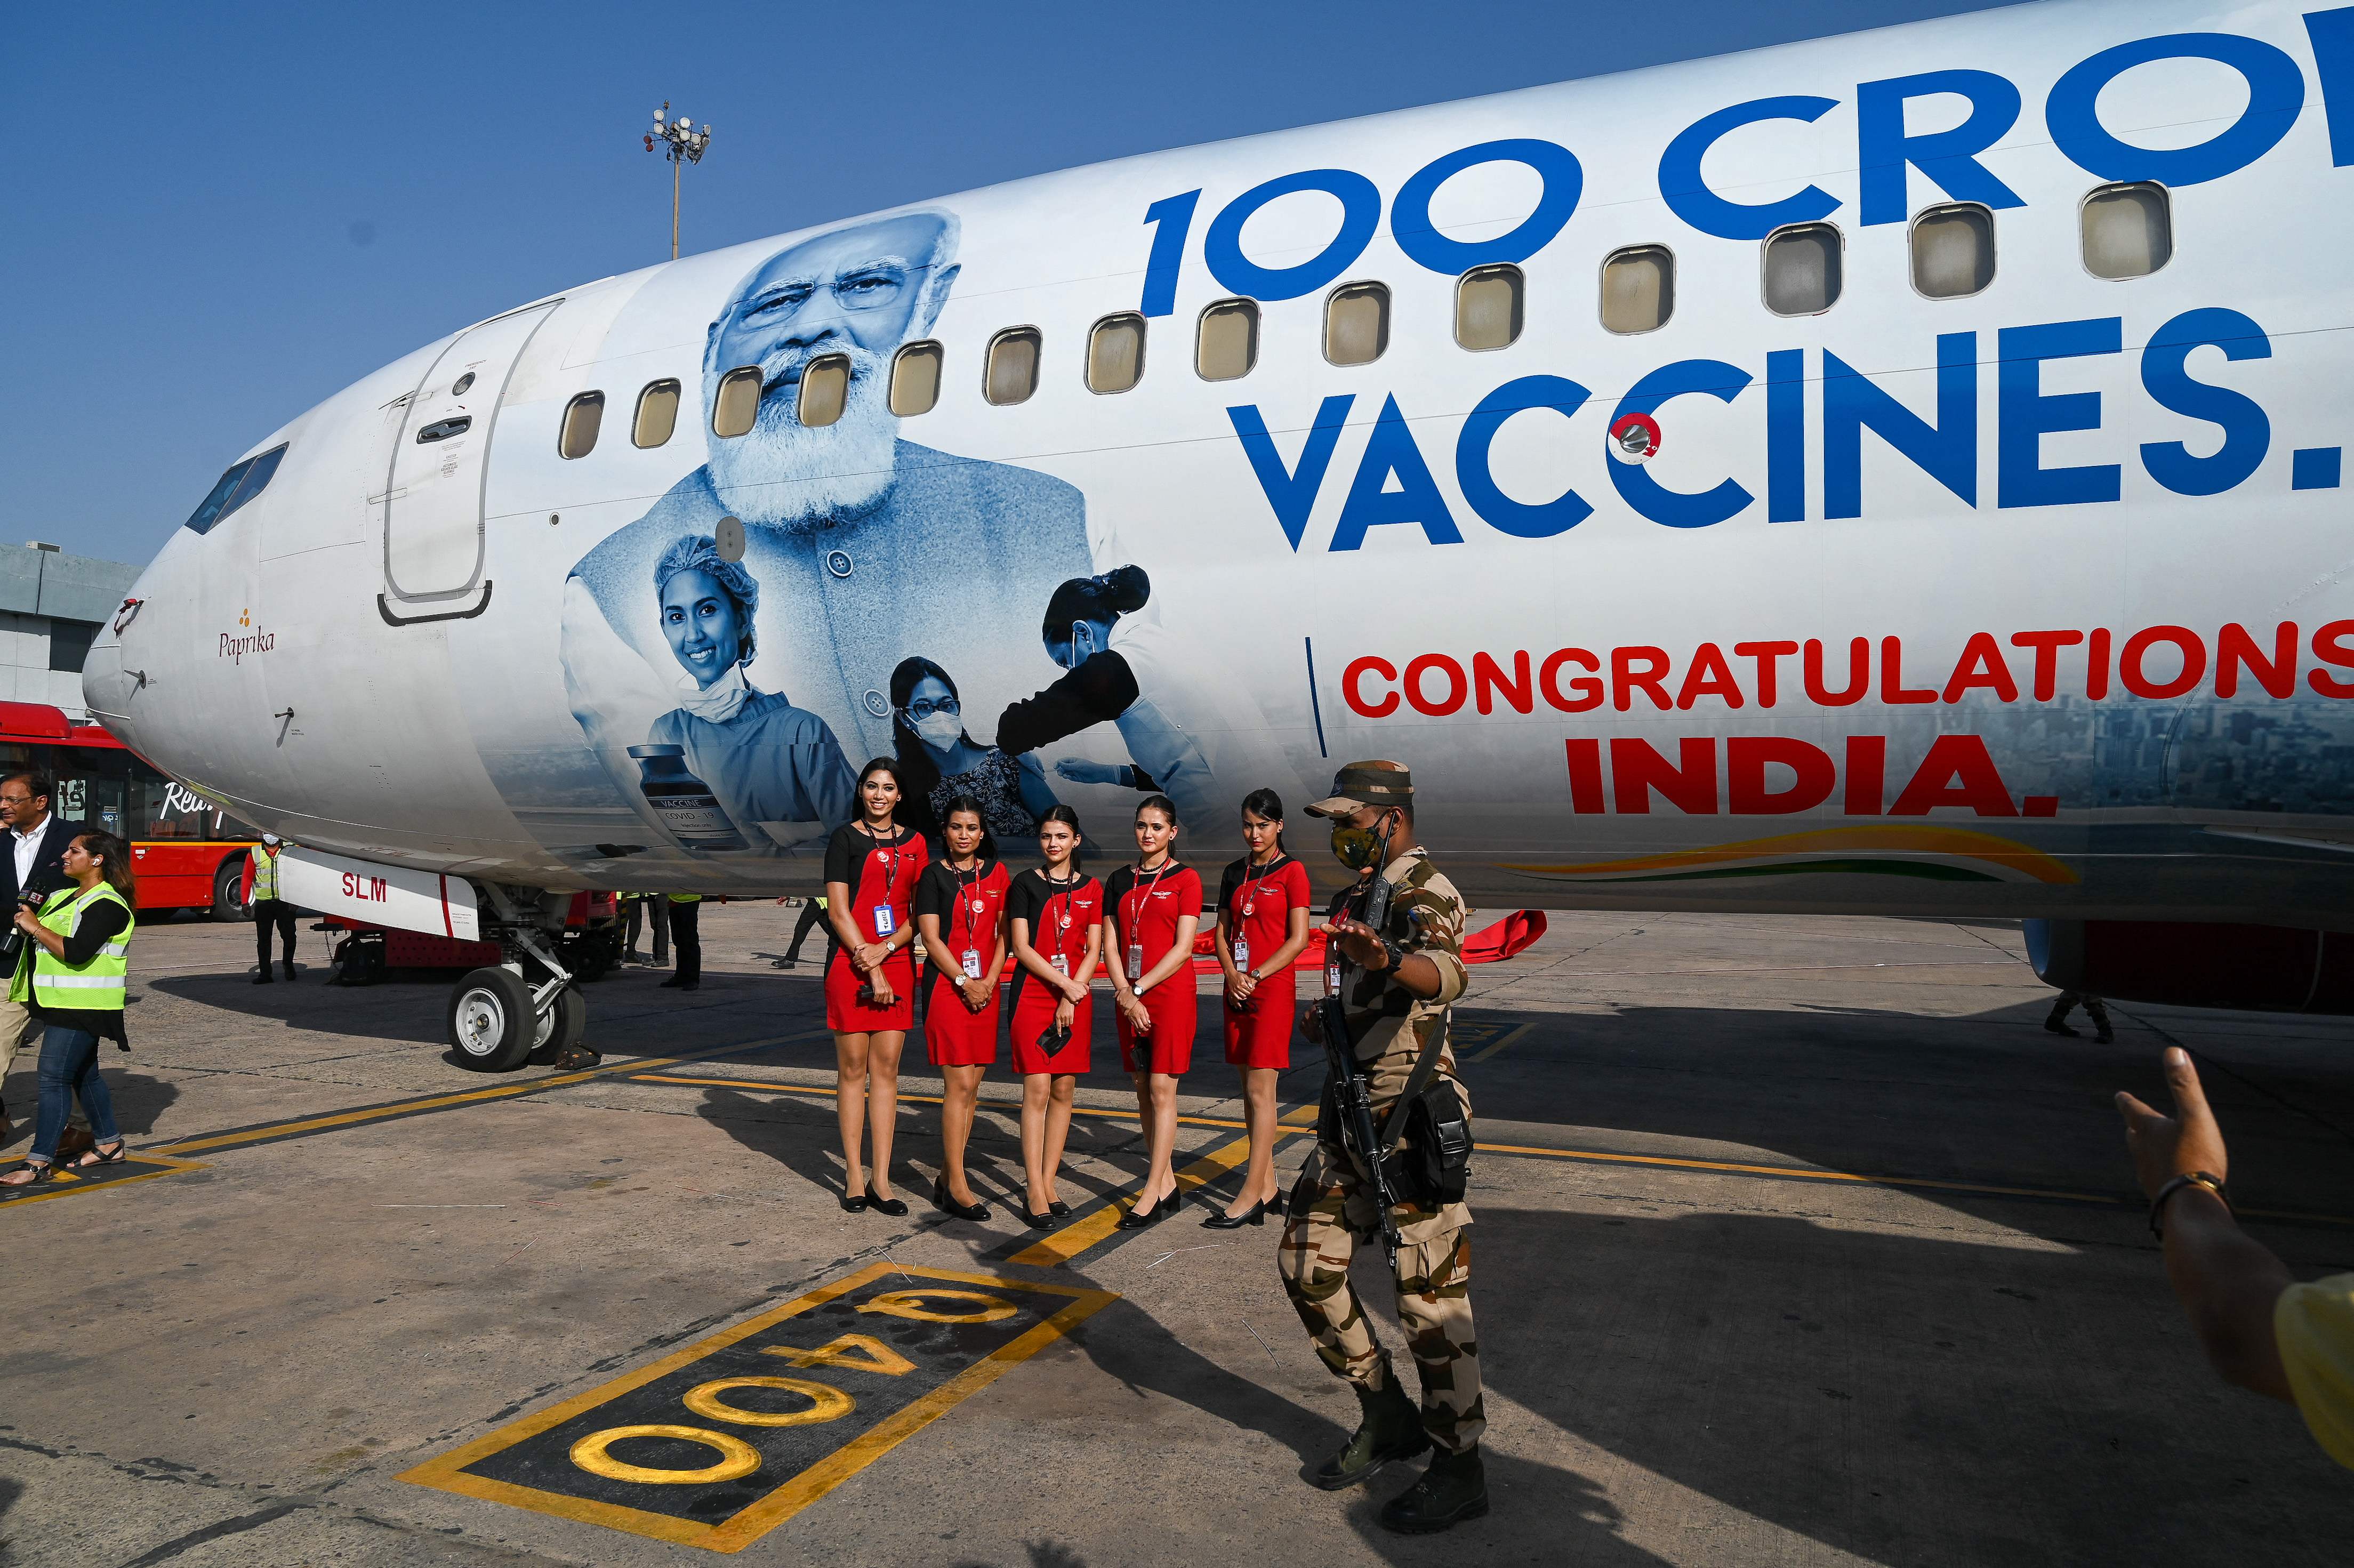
1241	952
1333	979
1135	962
1061	965
886	921
971	964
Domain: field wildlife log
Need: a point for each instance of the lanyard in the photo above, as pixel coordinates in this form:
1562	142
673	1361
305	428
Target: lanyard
1246	895
1141	890
963	917
890	852
1069	887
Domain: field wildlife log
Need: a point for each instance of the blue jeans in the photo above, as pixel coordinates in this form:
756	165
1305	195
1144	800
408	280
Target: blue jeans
69	1067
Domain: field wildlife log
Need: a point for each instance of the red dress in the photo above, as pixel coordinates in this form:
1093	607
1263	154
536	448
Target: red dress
1148	904
881	875
1257	902
971	908
1059	915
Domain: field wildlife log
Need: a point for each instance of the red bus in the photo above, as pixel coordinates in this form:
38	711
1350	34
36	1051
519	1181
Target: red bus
187	851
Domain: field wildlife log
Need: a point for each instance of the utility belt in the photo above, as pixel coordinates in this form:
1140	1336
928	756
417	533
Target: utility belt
1432	1166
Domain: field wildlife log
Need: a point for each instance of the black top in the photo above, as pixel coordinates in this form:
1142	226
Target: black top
97	925
1031	893
846	851
935	890
1101	688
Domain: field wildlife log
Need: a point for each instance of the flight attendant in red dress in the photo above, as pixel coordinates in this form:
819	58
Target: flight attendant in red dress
871	868
961	920
1153	908
1263	906
1054	919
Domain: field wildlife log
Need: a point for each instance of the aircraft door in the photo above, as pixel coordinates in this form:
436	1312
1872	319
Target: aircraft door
433	492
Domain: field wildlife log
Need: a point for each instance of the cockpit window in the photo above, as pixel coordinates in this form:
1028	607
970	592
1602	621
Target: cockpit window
240	484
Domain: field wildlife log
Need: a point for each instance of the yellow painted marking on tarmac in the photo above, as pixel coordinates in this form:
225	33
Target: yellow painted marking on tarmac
827	1403
66	1184
736	1458
824	1091
1791	1174
446	1472
469	1096
1507	1039
1059	1248
859	1352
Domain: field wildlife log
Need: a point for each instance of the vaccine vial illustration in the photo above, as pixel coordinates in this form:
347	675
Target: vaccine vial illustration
682	803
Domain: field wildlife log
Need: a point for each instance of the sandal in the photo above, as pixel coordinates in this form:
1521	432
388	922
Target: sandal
96	1155
41	1173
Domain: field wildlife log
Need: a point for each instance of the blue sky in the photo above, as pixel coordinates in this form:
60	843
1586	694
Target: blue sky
220	214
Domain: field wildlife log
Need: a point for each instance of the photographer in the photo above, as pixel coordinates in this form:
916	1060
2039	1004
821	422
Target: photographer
73	975
36	842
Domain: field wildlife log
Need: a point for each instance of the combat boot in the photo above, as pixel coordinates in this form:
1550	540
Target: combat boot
1391	1429
1452	1490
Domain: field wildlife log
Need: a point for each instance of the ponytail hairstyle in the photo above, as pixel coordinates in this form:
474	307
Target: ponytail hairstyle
1059	812
1266	803
113	857
1106	598
1163	804
961	801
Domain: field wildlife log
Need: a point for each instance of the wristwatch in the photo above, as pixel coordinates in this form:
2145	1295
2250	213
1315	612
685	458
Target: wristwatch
1396	954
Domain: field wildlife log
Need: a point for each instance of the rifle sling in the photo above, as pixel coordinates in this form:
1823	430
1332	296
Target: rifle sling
1392	1128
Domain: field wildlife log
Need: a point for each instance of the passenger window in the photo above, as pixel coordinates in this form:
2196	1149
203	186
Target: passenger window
1639	289
1225	345
1116	354
1953	250
825	387
1802	270
738	407
242	483
582	418
1356	324
2128	232
916	379
657	414
1488	307
1012	373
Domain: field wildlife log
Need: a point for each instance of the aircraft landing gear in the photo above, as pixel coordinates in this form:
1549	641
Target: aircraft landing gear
499	1019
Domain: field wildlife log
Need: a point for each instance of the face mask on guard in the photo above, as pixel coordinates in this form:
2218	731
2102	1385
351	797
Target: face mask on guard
1361	849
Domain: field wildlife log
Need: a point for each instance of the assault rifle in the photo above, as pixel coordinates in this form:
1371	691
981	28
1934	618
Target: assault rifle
1352	1094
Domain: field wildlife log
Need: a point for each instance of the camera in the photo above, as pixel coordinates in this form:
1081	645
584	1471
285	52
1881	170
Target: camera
12	946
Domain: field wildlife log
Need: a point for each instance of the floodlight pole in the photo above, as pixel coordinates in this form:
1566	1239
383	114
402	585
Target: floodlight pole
683	142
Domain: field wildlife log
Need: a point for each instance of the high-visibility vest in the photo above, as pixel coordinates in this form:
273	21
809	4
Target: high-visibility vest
98	985
686	898
265	872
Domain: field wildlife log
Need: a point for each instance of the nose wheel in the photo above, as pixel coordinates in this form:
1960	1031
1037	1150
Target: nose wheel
496	1028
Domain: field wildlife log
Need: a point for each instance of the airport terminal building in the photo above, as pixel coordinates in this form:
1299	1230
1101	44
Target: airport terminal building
52	605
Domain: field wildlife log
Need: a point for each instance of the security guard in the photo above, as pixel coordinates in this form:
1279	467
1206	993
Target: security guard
1395	983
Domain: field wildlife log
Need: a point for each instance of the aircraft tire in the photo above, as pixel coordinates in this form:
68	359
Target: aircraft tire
491	1020
565	1024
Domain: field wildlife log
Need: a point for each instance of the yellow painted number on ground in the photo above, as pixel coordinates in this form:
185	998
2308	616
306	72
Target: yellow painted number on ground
826	1404
910	1303
859	1352
737	1458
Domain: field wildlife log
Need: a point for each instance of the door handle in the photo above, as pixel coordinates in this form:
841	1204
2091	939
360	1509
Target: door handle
442	430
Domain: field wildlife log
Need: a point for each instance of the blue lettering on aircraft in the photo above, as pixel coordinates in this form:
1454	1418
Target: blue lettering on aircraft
1393	481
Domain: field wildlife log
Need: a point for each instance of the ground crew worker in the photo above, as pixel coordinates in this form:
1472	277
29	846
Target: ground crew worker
37	840
269	910
73	975
685	911
2067	1002
813	916
1395	983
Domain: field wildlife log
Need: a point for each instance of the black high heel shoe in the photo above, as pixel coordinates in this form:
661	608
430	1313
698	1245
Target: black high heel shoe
894	1207
1038	1222
1254	1216
1059	1209
948	1205
854	1202
1138	1219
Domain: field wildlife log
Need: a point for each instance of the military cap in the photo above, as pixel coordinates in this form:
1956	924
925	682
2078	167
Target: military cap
1362	784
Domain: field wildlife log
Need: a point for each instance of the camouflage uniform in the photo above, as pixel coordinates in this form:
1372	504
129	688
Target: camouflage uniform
1332	1209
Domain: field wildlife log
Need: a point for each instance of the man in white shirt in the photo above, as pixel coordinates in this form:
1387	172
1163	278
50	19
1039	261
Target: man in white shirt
38	840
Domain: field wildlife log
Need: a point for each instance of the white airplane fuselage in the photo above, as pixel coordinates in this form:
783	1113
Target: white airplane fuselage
2035	599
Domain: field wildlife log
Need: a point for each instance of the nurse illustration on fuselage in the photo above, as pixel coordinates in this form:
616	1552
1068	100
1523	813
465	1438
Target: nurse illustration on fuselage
775	769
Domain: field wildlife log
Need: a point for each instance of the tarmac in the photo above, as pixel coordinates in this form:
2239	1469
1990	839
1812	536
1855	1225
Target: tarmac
1799	1242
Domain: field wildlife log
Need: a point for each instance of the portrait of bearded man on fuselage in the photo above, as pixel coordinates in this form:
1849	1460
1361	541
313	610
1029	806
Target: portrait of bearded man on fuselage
867	548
